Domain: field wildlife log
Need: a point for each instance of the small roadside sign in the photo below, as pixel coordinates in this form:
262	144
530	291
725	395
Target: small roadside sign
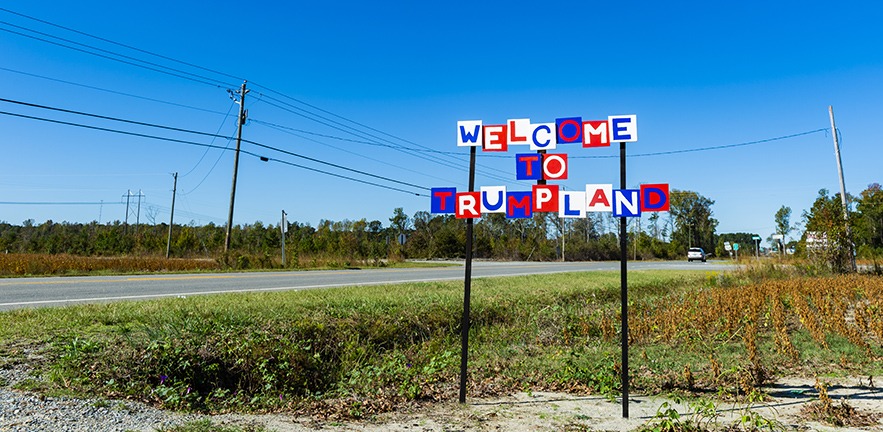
756	238
778	236
402	239
735	246
727	246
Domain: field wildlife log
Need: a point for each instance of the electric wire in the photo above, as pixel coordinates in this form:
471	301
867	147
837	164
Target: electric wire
205	80
281	129
55	203
121	44
114	58
410	152
212	169
191	77
211	146
454	155
213	141
293	132
720	147
357	134
110	52
91	87
104	117
268	147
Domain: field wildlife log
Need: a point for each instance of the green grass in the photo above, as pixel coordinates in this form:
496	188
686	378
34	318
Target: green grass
209	426
356	351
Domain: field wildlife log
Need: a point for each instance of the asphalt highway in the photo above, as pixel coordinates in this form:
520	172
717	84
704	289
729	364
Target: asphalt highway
58	291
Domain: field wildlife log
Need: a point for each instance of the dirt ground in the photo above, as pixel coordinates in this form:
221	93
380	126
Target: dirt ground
562	412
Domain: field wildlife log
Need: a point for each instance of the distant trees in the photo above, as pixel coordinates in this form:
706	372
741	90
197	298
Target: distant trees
783	222
747	246
544	237
826	224
868	231
694	224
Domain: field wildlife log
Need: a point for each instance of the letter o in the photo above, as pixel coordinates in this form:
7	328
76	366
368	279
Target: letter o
554	166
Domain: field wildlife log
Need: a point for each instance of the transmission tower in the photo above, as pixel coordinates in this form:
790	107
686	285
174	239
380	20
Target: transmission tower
133	210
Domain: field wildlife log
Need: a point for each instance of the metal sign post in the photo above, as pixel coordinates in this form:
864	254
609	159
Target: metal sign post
624	292
467	289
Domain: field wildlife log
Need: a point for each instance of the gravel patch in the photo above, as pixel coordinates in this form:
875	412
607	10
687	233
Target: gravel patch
21	411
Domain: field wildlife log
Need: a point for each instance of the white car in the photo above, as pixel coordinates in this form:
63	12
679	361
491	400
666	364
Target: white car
695	254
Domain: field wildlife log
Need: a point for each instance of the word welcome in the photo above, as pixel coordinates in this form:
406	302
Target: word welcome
546	136
550	199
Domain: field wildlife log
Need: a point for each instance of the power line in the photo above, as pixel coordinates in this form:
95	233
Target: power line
205	134
106	51
377	141
91	87
213	84
208	145
284	130
342	117
202	79
57	203
212	142
116	119
122	44
671	152
111	130
409	151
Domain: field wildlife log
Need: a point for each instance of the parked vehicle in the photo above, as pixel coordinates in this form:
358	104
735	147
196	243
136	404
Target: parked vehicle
695	254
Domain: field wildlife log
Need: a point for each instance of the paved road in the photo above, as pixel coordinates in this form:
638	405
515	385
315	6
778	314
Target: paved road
56	291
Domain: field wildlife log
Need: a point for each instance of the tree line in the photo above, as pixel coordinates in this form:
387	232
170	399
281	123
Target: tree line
544	237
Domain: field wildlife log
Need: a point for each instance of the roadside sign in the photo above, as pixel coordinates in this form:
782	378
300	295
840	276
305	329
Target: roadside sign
727	246
735	246
778	236
756	238
402	239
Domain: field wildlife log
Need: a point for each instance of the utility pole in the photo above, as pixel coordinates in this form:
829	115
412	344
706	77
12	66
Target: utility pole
284	228
138	215
172	217
842	186
242	113
126	223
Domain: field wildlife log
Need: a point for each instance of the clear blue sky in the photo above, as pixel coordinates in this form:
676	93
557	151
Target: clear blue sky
697	74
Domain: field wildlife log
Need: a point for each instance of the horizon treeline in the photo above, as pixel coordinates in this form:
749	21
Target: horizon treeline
348	241
544	237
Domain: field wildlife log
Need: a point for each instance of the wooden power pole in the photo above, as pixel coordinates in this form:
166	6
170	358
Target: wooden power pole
842	187
242	113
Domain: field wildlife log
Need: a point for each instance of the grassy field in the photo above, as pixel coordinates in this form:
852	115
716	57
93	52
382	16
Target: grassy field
357	351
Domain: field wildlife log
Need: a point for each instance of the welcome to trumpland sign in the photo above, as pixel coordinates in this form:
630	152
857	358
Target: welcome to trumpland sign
545	198
542	166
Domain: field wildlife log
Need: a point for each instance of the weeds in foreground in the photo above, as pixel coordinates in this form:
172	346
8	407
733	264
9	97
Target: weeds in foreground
703	417
841	414
358	351
209	426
